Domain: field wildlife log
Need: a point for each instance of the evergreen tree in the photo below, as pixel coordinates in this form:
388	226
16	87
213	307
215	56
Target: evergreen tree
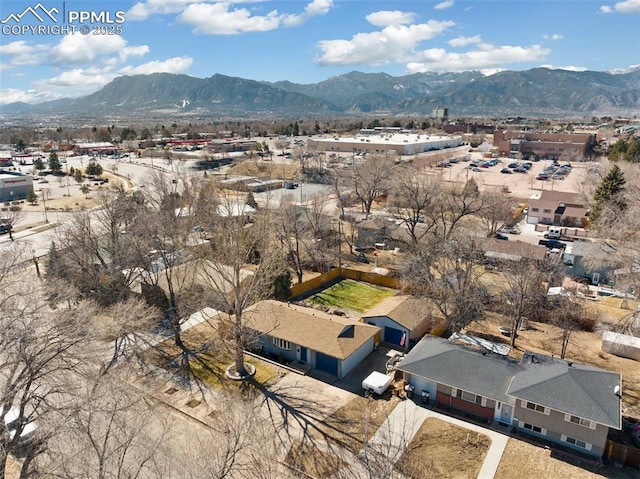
251	201
94	169
55	266
609	193
31	197
38	164
54	163
77	175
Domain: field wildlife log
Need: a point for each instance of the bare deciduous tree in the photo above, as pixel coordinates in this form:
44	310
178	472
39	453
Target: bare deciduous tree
524	291
234	243
40	350
448	273
370	179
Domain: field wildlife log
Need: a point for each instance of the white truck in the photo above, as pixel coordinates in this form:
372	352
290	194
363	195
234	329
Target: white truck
377	383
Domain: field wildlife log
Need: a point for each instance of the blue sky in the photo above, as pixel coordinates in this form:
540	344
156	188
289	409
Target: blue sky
303	41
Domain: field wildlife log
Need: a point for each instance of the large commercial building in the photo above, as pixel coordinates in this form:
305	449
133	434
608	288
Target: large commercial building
576	146
14	186
375	142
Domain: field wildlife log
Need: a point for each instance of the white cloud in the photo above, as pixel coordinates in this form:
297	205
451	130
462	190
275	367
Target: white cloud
22	53
217	19
393	43
555	36
142	10
444	5
626	6
12	95
485	57
221	18
171	65
464	41
77	48
313	9
386	17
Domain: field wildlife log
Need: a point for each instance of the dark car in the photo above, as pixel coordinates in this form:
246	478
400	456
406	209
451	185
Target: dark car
500	236
513	165
520	169
506	171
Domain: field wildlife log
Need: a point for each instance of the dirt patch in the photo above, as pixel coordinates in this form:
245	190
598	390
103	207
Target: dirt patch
355	422
313	461
522	459
440	449
266	169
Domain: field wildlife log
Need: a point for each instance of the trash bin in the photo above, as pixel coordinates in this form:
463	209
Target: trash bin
408	388
425	396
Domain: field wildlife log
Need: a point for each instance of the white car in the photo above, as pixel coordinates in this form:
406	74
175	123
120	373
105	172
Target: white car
12	418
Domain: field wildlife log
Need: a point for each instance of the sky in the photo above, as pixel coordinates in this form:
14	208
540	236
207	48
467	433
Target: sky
51	49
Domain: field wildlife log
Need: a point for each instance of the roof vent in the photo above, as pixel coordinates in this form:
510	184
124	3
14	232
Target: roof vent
570	363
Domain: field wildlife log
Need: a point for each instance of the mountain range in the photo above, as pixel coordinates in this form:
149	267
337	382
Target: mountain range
539	92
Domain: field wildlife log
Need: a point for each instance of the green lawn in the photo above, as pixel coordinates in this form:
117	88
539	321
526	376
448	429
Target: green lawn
351	294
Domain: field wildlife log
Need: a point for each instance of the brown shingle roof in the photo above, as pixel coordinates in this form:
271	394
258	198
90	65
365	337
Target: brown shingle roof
404	310
332	335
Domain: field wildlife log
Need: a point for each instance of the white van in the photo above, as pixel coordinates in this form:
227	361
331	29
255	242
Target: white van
554	232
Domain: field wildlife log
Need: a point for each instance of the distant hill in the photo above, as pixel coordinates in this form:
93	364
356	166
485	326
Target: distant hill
539	92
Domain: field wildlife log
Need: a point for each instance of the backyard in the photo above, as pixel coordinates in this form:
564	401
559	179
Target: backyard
351	295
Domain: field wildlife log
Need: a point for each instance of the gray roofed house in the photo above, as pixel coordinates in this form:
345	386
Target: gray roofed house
570	387
570	404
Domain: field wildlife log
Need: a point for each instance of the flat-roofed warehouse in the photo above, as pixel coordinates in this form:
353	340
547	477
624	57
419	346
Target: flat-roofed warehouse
14	186
398	143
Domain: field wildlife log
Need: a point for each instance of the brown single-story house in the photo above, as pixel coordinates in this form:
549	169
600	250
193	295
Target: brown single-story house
323	341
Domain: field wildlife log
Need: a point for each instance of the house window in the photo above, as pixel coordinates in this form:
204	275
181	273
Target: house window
535	210
470	397
536	407
281	343
579	420
576	442
536	429
547	211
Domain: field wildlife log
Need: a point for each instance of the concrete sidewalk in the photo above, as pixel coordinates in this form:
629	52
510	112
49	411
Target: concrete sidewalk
404	421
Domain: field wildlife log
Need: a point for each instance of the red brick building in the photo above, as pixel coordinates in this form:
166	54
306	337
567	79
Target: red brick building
567	146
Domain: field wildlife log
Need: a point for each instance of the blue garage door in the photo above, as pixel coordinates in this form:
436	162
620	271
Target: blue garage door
393	336
327	364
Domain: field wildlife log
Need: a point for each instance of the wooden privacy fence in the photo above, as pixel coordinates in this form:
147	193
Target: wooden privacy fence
628	456
342	273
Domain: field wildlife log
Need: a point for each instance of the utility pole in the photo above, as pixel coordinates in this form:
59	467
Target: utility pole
44	203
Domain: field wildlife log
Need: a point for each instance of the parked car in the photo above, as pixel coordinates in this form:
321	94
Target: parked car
13	420
506	171
500	236
520	169
509	230
542	177
513	165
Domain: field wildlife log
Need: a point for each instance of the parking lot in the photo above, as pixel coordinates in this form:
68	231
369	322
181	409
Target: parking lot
522	182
